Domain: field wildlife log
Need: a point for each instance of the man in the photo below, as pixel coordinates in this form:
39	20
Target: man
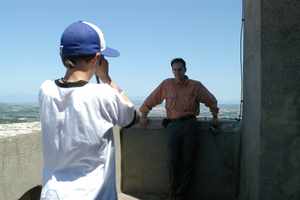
77	118
182	96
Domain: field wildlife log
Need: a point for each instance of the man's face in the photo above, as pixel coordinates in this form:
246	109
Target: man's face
178	71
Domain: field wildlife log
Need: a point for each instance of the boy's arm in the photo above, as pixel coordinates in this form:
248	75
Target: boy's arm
103	74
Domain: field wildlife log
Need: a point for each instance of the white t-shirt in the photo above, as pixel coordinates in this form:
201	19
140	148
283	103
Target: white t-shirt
78	145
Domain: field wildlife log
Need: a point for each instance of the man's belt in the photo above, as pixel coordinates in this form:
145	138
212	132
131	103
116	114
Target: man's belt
166	121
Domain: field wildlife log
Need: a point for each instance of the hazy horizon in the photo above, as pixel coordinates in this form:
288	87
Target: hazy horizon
29	112
33	99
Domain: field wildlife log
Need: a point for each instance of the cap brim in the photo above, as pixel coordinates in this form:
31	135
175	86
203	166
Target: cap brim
109	52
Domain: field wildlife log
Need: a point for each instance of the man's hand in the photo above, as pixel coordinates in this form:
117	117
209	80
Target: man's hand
215	122
144	121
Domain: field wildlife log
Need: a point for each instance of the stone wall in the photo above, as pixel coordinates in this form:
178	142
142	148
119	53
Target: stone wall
145	168
271	125
142	174
250	138
21	164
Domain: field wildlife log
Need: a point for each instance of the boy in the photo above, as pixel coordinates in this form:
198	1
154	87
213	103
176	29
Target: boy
77	118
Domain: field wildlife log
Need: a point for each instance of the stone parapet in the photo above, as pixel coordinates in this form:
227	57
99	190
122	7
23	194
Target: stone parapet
141	162
144	165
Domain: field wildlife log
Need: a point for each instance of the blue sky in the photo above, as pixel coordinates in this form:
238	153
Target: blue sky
147	33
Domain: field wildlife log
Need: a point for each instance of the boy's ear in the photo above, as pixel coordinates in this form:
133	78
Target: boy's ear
96	58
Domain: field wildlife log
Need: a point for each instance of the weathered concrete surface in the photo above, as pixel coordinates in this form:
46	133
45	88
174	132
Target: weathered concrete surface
21	163
250	138
271	126
145	169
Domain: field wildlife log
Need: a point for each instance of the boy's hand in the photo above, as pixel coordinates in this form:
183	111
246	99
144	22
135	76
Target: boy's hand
102	71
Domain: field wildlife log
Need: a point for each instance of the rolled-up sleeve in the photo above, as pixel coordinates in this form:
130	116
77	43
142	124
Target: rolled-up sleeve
155	98
206	97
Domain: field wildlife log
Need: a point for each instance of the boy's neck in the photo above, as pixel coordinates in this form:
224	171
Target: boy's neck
73	75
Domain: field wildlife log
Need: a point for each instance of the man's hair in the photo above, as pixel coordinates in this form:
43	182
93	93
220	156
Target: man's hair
179	60
72	61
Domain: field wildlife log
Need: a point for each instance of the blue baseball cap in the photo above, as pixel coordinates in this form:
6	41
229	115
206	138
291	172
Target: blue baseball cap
84	38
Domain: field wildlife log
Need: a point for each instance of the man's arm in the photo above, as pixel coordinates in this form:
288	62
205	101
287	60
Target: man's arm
204	96
155	98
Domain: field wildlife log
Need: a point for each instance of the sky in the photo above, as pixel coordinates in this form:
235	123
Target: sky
148	34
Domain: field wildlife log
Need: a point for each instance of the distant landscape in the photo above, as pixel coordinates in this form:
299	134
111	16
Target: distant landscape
29	112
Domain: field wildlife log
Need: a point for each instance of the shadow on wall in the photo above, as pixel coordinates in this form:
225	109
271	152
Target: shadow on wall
144	157
144	167
32	194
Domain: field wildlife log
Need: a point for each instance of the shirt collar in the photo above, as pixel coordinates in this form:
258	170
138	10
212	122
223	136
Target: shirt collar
64	84
183	82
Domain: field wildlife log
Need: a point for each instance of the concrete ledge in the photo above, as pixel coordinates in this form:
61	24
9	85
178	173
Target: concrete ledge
142	171
144	162
21	164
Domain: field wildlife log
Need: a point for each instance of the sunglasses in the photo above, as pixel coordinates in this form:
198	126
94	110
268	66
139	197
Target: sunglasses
178	70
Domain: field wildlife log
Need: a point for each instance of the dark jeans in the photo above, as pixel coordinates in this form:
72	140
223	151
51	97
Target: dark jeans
182	152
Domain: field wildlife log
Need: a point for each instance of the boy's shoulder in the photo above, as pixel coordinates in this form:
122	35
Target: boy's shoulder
104	88
104	91
46	85
90	90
